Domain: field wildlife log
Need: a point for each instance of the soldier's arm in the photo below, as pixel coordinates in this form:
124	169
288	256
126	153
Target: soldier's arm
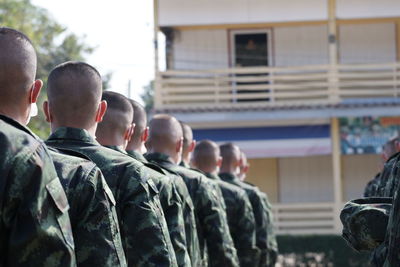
261	227
220	246
97	231
36	229
248	253
143	227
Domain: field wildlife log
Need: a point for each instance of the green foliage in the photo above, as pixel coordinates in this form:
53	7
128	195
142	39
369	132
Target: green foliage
148	96
54	45
320	250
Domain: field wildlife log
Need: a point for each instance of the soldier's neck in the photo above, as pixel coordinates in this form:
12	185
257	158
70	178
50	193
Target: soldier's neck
90	129
14	113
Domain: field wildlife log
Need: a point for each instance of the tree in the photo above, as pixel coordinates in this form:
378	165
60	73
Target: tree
148	96
53	43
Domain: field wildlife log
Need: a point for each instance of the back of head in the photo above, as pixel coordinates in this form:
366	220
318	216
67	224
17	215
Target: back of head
74	92
230	154
390	148
17	67
139	119
205	156
187	136
165	131
118	117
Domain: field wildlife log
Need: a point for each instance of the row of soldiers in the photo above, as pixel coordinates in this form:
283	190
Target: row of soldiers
105	189
373	223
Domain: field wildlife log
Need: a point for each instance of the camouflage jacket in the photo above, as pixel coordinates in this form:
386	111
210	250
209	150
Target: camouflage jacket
260	215
143	228
192	239
171	204
387	178
212	225
35	229
93	216
272	243
241	221
372	188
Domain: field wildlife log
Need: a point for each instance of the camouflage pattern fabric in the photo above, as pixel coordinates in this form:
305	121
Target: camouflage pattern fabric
365	221
372	188
93	216
212	225
143	228
387	184
35	229
272	243
171	204
241	221
260	215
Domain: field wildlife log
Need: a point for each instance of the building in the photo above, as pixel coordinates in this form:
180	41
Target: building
287	81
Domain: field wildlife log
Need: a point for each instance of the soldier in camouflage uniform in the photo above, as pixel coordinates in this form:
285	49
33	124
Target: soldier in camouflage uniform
110	132
93	216
228	173
272	243
75	108
238	207
165	148
35	229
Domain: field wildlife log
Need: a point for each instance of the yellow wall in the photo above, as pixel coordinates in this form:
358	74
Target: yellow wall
264	174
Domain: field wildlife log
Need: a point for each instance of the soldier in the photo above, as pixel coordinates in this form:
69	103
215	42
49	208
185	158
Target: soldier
238	207
188	144
377	186
272	243
35	229
165	149
228	173
75	108
115	132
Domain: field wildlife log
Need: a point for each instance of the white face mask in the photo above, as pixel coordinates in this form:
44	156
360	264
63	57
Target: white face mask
33	112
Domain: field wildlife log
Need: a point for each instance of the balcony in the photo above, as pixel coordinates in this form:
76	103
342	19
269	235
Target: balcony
273	87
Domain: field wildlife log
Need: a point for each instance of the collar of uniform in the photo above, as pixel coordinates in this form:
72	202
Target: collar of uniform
70	133
18	125
184	164
117	148
213	176
160	157
393	156
228	177
136	155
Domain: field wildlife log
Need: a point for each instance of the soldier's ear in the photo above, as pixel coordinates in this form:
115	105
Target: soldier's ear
145	134
46	110
192	146
219	162
35	91
101	110
129	132
179	145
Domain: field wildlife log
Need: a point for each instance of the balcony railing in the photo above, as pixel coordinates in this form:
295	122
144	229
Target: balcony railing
275	86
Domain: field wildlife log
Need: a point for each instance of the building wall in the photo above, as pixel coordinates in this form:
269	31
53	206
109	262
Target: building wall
264	174
305	179
195	12
357	171
367	8
367	43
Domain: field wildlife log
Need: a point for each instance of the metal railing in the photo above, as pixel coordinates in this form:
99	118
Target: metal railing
275	86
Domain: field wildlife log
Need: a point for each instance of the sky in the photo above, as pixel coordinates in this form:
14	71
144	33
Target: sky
121	31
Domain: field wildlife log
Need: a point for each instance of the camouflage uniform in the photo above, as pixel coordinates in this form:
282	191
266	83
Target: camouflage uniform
171	204
372	188
241	221
272	243
387	183
192	240
35	229
93	216
144	232
260	214
212	226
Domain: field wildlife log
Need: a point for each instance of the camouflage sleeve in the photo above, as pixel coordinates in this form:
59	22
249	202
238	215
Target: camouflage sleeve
35	229
143	226
212	215
172	206
96	230
245	233
260	216
272	243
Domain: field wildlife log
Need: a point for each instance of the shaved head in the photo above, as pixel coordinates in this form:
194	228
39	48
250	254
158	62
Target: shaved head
17	66
118	117
165	132
206	155
139	119
230	154
187	136
74	92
